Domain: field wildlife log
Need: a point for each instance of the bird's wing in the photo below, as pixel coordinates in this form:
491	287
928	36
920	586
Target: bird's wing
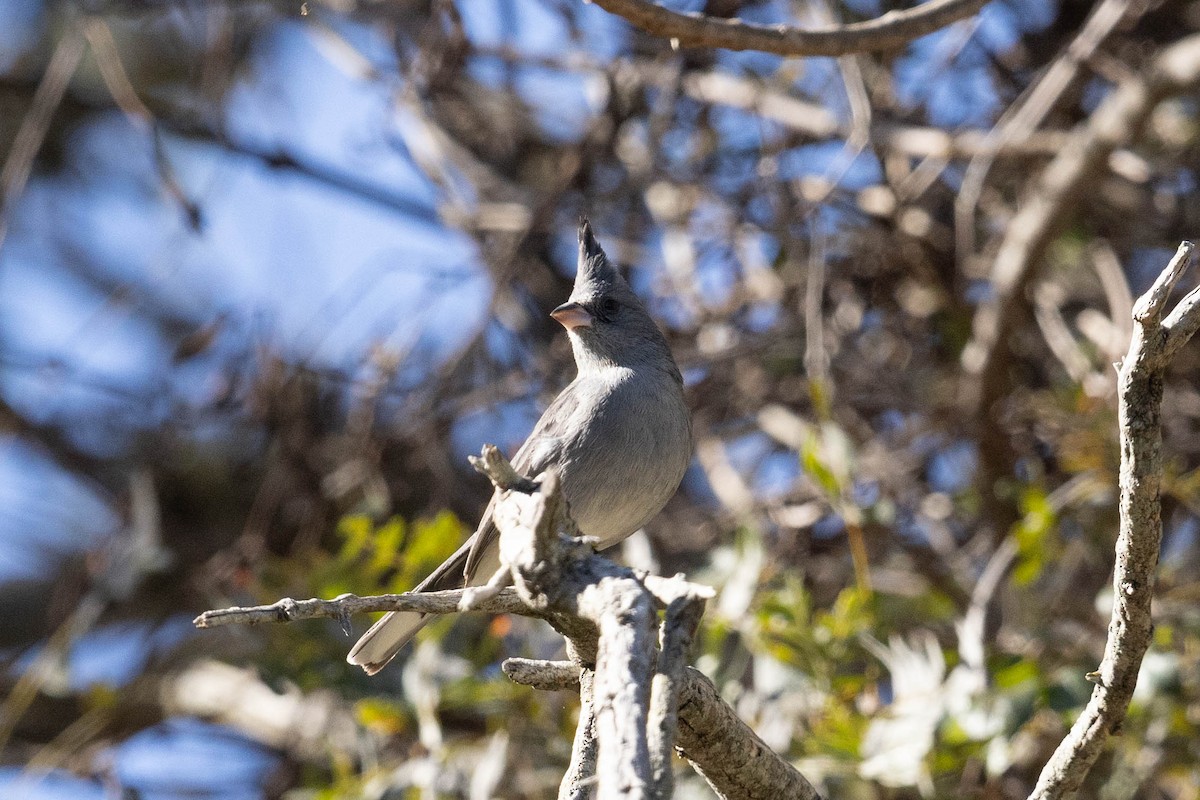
545	447
551	435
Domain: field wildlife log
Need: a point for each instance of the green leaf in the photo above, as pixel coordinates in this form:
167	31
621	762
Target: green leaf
1034	535
1018	673
810	459
382	715
387	541
430	542
355	532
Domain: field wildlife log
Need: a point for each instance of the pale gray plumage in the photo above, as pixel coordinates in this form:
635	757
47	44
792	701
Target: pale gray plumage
619	435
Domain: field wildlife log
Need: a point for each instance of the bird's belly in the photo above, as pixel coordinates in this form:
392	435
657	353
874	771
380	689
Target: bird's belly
612	516
611	497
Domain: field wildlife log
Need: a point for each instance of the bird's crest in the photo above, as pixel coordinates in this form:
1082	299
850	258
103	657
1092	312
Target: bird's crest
596	273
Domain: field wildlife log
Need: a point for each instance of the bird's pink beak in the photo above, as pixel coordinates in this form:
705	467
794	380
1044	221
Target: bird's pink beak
572	316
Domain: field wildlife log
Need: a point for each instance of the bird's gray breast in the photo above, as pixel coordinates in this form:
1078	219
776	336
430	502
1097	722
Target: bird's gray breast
633	446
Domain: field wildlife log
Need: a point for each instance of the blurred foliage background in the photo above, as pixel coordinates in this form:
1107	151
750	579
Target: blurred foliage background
270	270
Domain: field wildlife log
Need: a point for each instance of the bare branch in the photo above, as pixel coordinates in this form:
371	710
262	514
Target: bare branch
1182	323
1024	117
722	748
506	601
1149	307
884	33
632	693
549	676
621	694
581	773
818	122
678	628
730	756
108	60
492	463
1130	627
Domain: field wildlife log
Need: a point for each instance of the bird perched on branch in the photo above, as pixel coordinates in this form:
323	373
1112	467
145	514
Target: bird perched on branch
619	436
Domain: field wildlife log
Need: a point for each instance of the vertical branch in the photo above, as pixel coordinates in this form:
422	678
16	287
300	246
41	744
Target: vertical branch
622	686
581	774
1130	627
679	626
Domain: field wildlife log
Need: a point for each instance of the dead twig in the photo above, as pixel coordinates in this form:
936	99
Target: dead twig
507	601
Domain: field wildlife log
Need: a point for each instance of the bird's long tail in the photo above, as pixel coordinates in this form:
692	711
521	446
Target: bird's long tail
385	638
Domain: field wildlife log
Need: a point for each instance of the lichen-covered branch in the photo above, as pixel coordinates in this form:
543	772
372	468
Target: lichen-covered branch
1130	627
549	676
634	694
621	692
581	773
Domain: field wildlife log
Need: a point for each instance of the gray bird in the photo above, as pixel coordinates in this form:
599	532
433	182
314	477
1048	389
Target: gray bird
619	435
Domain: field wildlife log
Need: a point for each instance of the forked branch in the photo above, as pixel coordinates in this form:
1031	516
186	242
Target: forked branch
1130	628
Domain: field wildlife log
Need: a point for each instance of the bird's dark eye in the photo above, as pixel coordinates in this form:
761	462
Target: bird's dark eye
609	306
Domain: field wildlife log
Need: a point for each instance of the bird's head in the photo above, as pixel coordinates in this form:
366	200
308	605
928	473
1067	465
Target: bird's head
606	320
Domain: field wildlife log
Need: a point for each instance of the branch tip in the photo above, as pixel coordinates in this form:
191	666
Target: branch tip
1149	306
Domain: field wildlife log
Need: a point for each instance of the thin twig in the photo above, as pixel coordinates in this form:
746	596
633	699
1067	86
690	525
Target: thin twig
35	124
507	601
108	59
1117	294
1181	323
